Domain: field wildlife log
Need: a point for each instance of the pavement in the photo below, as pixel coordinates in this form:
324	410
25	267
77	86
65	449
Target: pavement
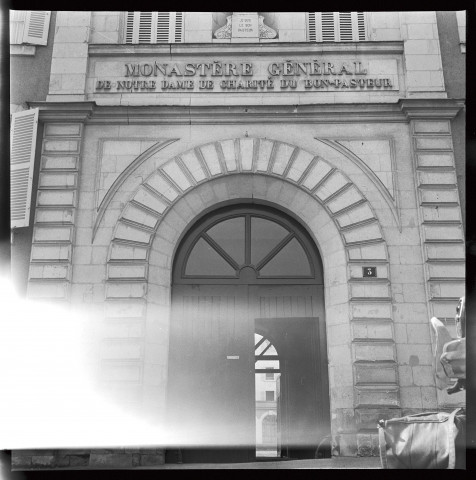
325	463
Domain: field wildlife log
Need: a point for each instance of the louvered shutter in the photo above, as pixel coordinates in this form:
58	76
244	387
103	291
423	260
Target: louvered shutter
163	27
36	29
154	27
17	26
178	24
345	26
336	26
311	26
132	19
361	26
328	27
22	160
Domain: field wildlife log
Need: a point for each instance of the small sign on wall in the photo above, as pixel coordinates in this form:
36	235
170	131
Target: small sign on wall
369	271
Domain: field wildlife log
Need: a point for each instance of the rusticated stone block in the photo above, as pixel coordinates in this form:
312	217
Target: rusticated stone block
364	444
374	374
63	461
136	459
348	445
345	420
152	460
20	461
43	461
367	418
375	445
385	396
108	460
79	460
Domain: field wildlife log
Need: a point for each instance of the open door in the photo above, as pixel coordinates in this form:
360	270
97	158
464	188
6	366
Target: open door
303	397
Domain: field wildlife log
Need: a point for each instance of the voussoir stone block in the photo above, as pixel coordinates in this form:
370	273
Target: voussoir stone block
176	175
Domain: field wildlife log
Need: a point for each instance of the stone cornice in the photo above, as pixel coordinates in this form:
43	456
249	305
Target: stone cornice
246	49
67	111
403	111
429	108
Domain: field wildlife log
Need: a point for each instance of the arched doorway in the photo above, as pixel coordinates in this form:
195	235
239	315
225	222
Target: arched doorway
240	271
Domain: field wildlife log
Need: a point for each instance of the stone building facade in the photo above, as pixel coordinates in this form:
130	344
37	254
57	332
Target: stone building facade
358	140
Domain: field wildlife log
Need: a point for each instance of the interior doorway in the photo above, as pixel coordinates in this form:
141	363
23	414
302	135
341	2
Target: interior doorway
243	274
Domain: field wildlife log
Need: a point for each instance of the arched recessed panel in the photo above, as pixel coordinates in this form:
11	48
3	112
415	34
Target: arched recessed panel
290	260
205	261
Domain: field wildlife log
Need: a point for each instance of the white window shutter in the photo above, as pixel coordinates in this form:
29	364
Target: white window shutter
22	161
154	27
328	25
337	26
146	27
37	25
163	27
132	27
17	26
178	27
345	27
361	26
311	26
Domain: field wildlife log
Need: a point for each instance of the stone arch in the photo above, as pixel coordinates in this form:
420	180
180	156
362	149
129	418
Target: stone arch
339	196
361	349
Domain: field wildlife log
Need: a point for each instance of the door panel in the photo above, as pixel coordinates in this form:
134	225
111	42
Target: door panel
289	317
210	372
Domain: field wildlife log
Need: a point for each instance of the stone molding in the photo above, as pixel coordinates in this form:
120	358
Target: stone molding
123	176
425	109
93	114
244	49
368	171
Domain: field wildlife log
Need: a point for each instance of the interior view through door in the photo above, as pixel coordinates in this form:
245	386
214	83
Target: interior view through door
247	364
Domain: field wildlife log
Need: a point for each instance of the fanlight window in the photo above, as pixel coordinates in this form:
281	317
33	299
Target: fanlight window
249	242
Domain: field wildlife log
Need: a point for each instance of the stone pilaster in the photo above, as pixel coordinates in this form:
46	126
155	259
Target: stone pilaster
54	228
70	56
442	234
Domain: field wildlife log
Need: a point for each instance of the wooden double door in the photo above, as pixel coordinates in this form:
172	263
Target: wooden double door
211	381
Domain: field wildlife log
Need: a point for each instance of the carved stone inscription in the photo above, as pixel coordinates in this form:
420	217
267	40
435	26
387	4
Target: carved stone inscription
244	26
214	75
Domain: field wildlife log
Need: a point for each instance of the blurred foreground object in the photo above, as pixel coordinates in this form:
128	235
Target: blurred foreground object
450	355
434	440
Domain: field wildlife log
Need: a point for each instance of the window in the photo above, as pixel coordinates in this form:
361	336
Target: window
269	376
337	26
247	244
269	248
269	396
29	27
154	27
